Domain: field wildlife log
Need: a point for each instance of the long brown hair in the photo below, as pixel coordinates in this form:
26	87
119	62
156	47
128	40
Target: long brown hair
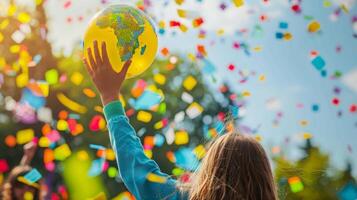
235	167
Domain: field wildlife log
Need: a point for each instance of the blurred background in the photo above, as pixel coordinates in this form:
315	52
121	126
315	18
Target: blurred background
284	71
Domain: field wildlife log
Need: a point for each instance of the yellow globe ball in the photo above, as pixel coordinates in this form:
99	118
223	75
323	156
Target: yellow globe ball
128	33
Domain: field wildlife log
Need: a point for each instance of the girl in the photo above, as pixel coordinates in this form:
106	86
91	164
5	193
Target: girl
235	167
13	188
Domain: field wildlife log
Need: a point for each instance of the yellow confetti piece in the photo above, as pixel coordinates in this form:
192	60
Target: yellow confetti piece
144	116
22	80
246	93
156	178
258	138
98	109
181	137
24	18
24	136
77	78
220	32
181	13
327	4
109	154
74	106
51	76
288	36
199	151
307	136
4	24
238	3
262	77
12	10
313	26
162	24
183	28
45	89
158	125
258	49
344	8
179	2
160	79
62	125
148	153
62	152
89	93
25	181
189	83
15	48
44	142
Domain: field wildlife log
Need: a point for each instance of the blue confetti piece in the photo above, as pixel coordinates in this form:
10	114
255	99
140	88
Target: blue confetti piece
283	25
279	35
234	110
318	62
219	126
33	176
208	67
96	167
146	101
186	159
348	192
96	146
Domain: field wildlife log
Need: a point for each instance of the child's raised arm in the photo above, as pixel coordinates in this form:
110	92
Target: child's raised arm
134	166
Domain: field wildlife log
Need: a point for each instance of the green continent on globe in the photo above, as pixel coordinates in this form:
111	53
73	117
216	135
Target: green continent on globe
127	24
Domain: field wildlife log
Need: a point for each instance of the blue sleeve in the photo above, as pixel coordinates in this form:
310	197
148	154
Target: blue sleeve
133	164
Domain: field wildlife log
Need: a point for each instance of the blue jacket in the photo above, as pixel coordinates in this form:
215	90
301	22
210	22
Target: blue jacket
133	164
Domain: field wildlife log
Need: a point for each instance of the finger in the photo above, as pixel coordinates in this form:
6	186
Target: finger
105	57
125	68
97	56
90	71
91	59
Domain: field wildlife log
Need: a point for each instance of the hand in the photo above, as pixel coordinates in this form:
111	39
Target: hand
107	81
29	152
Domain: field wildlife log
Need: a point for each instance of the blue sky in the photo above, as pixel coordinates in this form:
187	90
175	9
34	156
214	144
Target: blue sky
290	76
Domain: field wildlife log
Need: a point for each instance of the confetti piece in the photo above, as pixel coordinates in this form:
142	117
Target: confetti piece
238	3
144	116
181	137
89	93
33	176
62	152
96	146
24	136
77	78
313	26
194	110
189	83
197	22
51	76
74	106
4	166
160	79
10	141
318	63
156	178
179	2
295	184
